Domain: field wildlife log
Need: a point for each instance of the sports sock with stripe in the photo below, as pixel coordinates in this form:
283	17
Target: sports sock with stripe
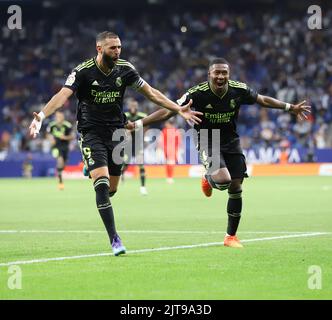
101	186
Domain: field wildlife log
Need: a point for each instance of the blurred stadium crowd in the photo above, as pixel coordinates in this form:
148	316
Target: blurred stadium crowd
275	54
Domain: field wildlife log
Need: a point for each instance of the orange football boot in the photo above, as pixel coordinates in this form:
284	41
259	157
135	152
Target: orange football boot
61	186
206	188
232	241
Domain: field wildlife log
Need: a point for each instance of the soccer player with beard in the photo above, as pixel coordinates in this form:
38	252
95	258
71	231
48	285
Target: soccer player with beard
219	99
100	84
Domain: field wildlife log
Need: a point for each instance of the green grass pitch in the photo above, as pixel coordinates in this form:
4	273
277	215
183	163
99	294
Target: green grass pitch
286	209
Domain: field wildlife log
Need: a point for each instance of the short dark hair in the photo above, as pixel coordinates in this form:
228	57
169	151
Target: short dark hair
106	35
219	61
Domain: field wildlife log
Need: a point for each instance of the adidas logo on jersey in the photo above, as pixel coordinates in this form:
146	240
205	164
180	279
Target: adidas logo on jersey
95	83
208	106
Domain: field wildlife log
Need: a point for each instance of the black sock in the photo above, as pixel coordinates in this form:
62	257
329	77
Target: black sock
234	208
104	205
142	175
60	174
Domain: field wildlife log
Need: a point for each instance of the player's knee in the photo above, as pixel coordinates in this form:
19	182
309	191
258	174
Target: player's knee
234	189
220	184
235	186
60	162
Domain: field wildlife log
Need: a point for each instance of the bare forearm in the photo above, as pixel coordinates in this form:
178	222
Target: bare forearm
269	102
160	99
300	110
57	101
163	101
159	115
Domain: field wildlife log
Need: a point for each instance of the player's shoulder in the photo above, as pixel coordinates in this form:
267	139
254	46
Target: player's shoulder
51	124
67	124
85	65
201	87
124	64
237	84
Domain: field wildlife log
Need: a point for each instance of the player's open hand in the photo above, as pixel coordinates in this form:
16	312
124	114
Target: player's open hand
300	110
35	125
190	115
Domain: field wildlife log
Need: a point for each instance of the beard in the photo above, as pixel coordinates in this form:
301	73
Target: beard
107	60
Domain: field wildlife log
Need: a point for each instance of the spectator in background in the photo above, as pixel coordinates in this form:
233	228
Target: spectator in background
170	142
284	152
27	167
273	62
302	130
5	141
320	136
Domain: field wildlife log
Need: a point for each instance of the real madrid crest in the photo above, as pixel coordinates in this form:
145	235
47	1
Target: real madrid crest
232	103
118	82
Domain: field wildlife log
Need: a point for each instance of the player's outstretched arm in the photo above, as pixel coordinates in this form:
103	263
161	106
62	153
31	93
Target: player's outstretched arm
157	116
55	103
160	99
300	109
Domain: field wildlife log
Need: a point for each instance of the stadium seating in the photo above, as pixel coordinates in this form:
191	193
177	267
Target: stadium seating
274	54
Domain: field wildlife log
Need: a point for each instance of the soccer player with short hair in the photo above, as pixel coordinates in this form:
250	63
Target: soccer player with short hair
100	84
60	131
219	99
133	115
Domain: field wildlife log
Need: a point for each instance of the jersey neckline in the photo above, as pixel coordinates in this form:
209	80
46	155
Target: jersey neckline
105	74
220	97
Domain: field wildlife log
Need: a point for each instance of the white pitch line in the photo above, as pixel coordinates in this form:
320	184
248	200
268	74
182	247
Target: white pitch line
200	245
155	231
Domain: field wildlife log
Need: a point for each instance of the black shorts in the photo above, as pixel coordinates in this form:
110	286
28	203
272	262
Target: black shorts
234	162
98	151
60	152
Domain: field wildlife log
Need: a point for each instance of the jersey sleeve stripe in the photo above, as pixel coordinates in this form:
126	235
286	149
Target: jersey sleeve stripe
125	63
68	124
86	65
202	86
237	84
